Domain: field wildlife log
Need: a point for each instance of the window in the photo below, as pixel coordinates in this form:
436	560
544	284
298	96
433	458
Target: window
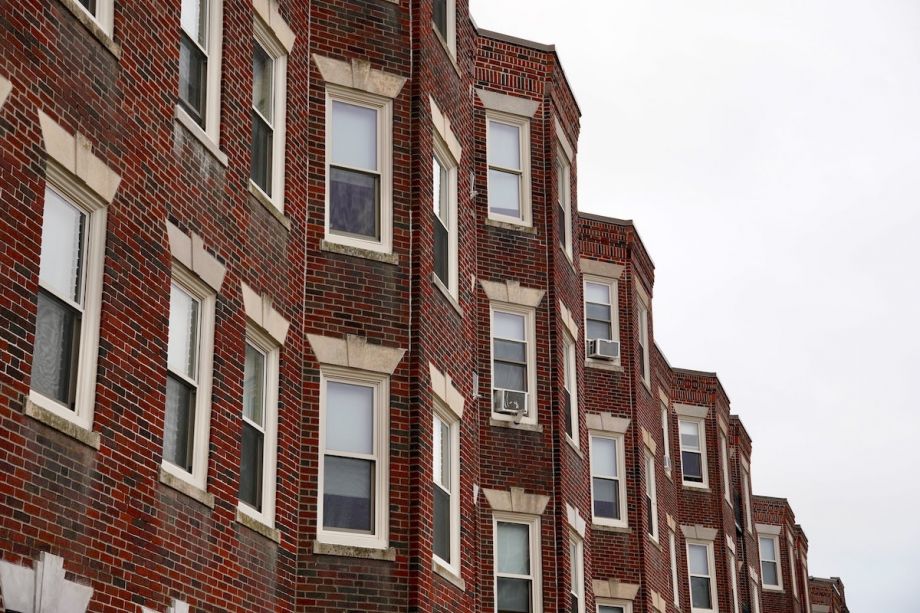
258	449
608	492
199	63
675	581
644	344
570	387
770	571
444	20
746	486
792	571
651	496
269	93
188	378
354	440
576	574
102	12
513	359
601	321
613	608
69	300
733	574
692	452
726	483
702	589
564	200
666	433
517	564
446	488
444	201
755	596
509	173
359	150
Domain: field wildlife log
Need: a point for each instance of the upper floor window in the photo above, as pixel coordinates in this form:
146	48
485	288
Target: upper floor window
517	564
733	575
444	207
564	201
576	574
444	19
792	571
513	363
199	64
614	608
666	434
675	581
608	491
446	488
602	332
570	387
769	562
651	496
702	580
644	362
746	497
693	452
726	479
508	146
102	12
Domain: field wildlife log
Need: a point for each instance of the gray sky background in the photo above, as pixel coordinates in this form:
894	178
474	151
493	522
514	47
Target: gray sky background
769	152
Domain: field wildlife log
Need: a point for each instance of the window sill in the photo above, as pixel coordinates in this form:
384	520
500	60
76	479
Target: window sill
451	56
501	423
696	488
574	446
773	589
61	424
453	302
443	571
358	252
93	27
201	136
184	487
612	529
654	541
257	526
610	366
259	196
353	551
509	225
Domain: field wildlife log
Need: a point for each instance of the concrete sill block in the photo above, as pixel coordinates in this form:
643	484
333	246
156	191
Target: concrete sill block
499	423
446	573
258	527
62	425
172	481
350	551
259	196
94	28
357	252
505	225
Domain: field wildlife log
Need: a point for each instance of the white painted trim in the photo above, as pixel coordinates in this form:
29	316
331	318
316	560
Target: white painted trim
713	588
644	314
570	377
564	175
746	498
612	602
536	557
613	286
450	6
675	579
446	158
446	415
577	582
666	434
620	440
770	536
525	205
651	491
104	16
268	39
704	462
215	58
530	329
723	462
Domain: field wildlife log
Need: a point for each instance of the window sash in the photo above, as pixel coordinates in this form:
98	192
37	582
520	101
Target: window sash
510	578
675	580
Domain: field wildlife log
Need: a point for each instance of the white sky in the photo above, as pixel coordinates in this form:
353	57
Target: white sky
769	152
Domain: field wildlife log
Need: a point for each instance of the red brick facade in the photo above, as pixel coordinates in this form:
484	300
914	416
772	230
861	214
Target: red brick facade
827	595
95	495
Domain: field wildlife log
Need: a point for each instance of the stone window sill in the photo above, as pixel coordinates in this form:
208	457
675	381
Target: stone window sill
507	225
612	529
574	446
257	526
501	423
443	571
603	365
93	27
352	551
259	196
200	135
453	302
696	488
184	487
62	425
358	252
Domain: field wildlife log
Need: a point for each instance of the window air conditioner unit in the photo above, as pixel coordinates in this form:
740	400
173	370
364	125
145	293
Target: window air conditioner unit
603	349
509	402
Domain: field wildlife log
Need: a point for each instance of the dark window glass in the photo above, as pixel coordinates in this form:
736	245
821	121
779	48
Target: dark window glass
348	494
262	153
699	586
178	445
57	339
439	16
606	498
692	465
89	5
573	604
193	66
251	467
561	223
442	524
650	512
567	407
513	595
354	202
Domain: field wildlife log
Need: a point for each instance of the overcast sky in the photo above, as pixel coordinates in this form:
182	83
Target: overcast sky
769	153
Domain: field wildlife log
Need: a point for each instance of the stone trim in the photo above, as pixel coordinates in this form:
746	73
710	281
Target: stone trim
663	397
514	105
568	320
563	139
260	311
745	465
723	426
355	352
358	74
768	529
689	410
507	225
503	423
649	441
350	551
613	588
442	386
442	127
448	575
601	269
184	487
74	153
191	253
64	426
700	533
182	116
100	33
606	422
672	523
268	12
643	295
42	588
576	521
659	603
516	501
258	527
730	543
358	252
754	574
5	88
511	292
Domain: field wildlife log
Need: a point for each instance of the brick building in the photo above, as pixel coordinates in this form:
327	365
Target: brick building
827	595
299	312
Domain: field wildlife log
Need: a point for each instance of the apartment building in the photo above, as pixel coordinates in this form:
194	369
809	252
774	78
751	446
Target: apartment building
299	313
827	595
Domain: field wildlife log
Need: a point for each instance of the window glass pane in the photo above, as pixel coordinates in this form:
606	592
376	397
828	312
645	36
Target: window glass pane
348	494
254	385
508	325
597	292
604	457
263	73
599	312
354	136
609	609
699	559
193	67
183	333
179	425
251	457
690	435
767	549
439	16
349	417
504	145
597	329
505	193
441	246
442	524
606	498
510	351
194	20
692	466
61	268
699	587
510	376
444	440
89	5
770	576
57	340
262	137
513	548
354	200
513	595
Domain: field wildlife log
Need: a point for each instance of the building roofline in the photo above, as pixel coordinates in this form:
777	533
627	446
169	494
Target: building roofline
605	219
734	417
696	373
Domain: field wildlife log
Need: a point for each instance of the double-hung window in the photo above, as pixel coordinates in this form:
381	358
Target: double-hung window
102	12
726	480
651	496
576	574
693	452
564	201
675	581
260	426
444	20
513	363
601	318
359	182
353	482
792	572
269	94
614	608
69	302
608	491
770	570
199	64
509	158
755	596
444	218
746	493
446	489
702	579
733	575
570	387
517	564
644	364
666	434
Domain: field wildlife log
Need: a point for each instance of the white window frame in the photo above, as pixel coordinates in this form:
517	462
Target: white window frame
778	586
379	538
713	588
523	123
104	15
726	482
626	605
701	425
190	282
577	583
755	595
384	108
531	339
792	569
536	556
264	37
450	37
612	284
447	161
272	353
447	416
620	439
570	366
666	433
675	579
68	188
215	44
564	173
746	498
733	576
651	492
804	564
643	337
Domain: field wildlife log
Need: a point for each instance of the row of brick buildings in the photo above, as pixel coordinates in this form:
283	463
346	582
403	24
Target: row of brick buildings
299	313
